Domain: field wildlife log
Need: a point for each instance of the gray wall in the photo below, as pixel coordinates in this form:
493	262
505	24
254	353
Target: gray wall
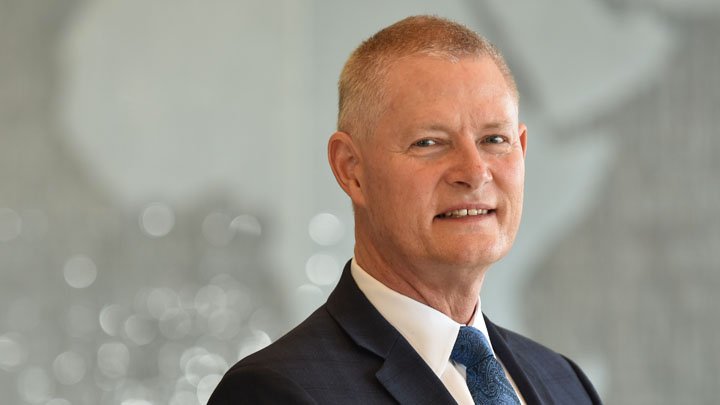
166	207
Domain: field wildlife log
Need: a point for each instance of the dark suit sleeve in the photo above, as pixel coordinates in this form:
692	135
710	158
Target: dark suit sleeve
258	385
594	397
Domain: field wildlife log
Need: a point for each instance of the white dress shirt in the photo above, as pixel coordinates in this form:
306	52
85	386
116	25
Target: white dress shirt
430	332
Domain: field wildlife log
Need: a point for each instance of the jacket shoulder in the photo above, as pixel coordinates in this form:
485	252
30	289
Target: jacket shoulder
552	375
316	362
257	385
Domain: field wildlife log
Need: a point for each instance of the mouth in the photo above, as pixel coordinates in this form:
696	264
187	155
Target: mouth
464	212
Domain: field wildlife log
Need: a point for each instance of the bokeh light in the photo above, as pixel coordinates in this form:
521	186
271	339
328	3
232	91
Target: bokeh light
13	352
210	298
223	323
175	323
157	220
247	225
185	398
161	300
306	299
203	364
326	229
256	341
80	271
322	269
35	385
140	329
206	386
112	317
113	359
69	368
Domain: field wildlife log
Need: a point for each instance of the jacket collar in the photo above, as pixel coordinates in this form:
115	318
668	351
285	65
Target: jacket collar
403	373
512	364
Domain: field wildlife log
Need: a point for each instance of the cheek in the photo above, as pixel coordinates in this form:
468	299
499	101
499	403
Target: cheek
512	176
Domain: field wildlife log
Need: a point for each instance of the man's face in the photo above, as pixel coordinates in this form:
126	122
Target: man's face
441	176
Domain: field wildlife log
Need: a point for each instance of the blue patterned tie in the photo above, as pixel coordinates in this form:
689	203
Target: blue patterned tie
485	376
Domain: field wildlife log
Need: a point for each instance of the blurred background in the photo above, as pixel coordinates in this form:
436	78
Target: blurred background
166	207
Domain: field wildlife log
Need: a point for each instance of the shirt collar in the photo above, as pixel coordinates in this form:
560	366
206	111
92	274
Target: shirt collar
430	332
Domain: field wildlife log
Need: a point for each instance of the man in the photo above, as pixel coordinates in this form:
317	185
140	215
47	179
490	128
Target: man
431	153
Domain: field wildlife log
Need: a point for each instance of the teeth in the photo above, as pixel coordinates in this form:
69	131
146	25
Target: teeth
464	212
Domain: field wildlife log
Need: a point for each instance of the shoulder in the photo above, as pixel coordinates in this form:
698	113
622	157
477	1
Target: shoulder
257	385
536	354
270	375
314	362
316	340
550	373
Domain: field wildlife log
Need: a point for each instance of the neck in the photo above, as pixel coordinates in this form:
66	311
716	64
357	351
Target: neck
452	291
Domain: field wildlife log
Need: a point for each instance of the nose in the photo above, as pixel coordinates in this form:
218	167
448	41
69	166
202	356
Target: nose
468	167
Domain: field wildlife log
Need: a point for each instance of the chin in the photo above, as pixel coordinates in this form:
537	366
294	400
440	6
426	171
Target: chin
476	258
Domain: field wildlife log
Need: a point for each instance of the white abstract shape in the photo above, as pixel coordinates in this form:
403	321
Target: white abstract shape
184	101
578	57
563	181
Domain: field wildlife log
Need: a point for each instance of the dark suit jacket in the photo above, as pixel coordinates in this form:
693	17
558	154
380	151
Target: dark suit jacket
347	353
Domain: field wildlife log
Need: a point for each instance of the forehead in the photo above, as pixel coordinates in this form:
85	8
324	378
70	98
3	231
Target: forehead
427	87
432	73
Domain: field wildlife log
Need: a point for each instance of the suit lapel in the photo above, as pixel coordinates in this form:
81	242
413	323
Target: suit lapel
409	379
404	374
510	362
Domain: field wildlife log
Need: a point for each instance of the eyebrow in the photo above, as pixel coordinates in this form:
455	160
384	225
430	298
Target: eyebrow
498	125
489	126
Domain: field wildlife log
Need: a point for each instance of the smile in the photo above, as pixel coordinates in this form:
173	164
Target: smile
464	213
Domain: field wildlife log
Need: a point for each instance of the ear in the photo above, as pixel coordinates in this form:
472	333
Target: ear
522	132
346	164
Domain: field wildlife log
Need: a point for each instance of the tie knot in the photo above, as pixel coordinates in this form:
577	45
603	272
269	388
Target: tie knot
471	347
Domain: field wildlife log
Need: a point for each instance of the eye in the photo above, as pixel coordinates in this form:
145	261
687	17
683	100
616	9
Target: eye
495	139
424	143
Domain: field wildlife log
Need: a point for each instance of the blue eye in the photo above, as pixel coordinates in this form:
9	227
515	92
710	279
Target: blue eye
424	143
497	139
